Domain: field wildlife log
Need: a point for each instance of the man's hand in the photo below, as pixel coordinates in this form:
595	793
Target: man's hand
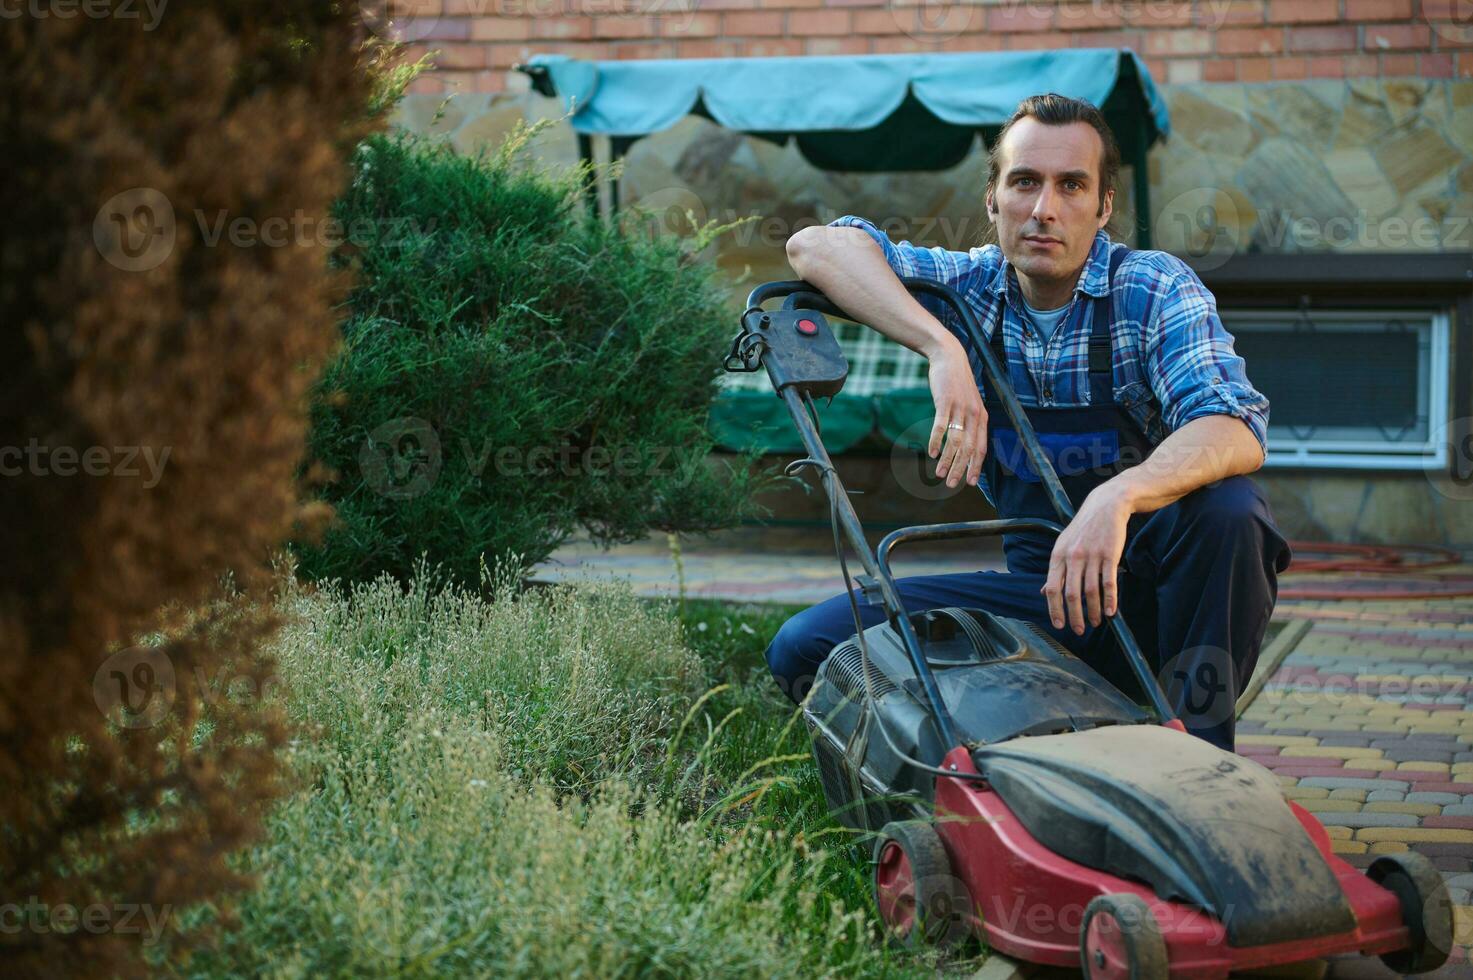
850	268
1083	566
958	402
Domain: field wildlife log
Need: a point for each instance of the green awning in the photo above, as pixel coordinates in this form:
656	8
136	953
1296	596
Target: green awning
863	113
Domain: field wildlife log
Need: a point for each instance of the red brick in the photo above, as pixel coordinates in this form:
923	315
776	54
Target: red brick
1303	11
1093	16
855	3
500	29
1255	69
1290	68
1234	13
1398	37
641	50
1220	70
429	83
1322	39
899	45
727	5
1020	17
1250	40
1135	40
461	56
1361	65
563	28
758	23
1378	9
1169	43
773	47
873	22
706	48
1436	65
1154	16
836	45
1031	42
506	55
832	23
625	27
449	29
792	4
703	24
973	42
1395	65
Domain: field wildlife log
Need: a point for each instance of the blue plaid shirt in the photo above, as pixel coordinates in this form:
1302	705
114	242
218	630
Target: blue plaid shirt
1173	358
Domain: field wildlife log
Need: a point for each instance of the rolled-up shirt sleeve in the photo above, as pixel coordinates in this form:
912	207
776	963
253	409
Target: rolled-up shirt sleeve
963	271
1193	368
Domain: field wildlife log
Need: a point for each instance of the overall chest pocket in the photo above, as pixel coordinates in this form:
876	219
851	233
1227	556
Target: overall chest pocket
1138	402
1071	453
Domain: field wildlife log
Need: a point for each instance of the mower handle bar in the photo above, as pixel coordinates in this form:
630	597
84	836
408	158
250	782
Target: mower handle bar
799	294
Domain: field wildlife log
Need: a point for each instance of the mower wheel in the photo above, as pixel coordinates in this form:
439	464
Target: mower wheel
1426	910
1120	940
920	901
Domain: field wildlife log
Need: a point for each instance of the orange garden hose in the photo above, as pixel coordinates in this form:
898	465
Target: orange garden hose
1378	560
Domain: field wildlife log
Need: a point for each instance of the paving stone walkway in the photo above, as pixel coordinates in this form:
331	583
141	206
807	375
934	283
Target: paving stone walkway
1366	722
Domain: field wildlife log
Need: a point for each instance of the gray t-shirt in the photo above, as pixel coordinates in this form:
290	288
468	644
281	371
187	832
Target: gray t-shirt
1045	321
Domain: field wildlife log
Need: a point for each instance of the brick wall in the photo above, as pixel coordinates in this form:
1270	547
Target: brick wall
1207	41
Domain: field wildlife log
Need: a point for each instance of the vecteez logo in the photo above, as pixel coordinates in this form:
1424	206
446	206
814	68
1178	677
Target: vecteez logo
401	458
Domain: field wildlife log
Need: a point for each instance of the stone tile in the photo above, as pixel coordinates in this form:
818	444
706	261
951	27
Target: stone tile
1430	835
1385	795
1357	820
1336	808
1339	782
1308	793
1389	847
1442	799
1420	809
1359	795
1331	752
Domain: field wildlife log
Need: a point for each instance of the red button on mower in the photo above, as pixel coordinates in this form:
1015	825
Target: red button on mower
807	327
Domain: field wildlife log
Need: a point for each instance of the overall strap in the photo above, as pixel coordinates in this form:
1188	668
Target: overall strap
1102	319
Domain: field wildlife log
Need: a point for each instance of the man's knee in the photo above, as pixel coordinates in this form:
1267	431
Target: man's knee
1230	506
794	655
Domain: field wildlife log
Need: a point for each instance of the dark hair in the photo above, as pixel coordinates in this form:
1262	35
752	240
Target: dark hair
1053	109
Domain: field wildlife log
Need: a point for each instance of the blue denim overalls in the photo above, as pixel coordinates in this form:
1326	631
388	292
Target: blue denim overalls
1198	578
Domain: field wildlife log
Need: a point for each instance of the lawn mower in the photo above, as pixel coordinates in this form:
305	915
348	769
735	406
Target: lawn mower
1012	793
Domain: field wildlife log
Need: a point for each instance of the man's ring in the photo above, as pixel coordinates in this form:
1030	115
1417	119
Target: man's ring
954	425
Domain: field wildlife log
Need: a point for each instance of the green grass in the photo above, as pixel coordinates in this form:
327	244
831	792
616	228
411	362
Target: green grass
568	782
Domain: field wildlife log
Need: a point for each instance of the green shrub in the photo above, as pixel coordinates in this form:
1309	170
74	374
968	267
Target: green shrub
512	371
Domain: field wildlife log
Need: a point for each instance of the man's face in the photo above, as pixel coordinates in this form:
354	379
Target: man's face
1047	196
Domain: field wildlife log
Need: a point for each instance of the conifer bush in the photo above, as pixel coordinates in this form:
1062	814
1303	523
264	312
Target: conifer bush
512	370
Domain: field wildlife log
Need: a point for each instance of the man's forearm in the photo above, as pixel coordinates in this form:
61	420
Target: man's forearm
1205	450
849	268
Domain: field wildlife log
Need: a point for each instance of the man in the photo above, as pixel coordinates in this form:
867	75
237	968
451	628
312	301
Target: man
1132	382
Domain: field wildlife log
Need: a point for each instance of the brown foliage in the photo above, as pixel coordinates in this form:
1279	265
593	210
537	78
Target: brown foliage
238	108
